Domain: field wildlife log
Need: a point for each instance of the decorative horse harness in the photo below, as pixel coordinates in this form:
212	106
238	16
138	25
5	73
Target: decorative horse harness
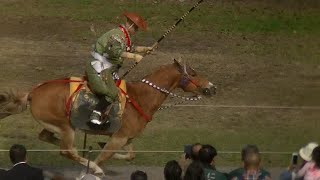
184	81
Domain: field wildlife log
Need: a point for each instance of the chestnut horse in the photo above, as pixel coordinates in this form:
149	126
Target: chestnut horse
47	103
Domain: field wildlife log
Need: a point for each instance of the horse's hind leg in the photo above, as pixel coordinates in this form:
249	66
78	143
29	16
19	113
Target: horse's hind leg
67	150
49	137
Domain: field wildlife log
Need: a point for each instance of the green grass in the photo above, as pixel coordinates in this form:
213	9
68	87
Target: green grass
170	130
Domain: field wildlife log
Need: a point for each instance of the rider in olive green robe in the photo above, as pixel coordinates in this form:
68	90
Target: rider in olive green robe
108	54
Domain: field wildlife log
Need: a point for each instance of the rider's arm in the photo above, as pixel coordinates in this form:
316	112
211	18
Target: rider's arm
142	49
135	57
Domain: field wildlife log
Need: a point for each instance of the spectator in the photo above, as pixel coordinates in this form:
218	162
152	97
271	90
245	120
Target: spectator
139	175
195	151
311	170
172	171
20	169
252	168
249	155
306	151
206	156
306	155
2	173
186	159
194	172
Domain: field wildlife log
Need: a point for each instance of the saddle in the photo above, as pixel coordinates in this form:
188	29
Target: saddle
82	102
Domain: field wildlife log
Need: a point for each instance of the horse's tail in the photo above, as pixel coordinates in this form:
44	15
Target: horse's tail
13	102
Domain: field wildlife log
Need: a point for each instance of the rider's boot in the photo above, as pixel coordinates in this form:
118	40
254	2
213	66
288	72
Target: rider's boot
96	115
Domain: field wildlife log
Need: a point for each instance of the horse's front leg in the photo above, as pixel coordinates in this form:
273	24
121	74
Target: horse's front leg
67	150
130	155
115	144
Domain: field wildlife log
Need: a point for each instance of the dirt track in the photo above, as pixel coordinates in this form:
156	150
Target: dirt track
33	50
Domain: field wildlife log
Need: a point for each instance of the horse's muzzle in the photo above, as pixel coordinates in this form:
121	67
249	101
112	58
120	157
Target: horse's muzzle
209	91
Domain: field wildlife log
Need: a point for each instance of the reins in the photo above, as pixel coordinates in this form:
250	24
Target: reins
164	90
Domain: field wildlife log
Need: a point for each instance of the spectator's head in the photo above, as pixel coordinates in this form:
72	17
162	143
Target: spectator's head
252	161
195	151
207	154
18	153
194	172
306	151
172	171
250	157
248	149
139	175
316	156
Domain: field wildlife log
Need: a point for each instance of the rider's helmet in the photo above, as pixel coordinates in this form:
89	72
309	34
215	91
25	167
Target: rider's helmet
137	20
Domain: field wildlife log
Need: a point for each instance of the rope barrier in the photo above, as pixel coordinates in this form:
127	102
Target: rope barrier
250	107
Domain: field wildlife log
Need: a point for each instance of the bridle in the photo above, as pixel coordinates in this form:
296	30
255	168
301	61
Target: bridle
184	82
164	90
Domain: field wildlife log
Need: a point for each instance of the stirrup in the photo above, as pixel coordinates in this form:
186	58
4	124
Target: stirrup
95	118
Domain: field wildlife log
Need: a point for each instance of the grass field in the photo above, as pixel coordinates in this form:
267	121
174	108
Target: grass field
256	53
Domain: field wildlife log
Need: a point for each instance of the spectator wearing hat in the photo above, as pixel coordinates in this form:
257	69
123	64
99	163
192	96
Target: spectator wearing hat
311	170
306	151
250	157
306	155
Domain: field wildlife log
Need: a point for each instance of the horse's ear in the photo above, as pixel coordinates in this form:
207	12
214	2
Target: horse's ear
177	62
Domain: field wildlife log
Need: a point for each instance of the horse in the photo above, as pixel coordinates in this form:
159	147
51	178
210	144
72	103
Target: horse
47	105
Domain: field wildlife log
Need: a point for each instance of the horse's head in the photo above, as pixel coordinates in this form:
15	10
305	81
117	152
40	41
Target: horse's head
190	81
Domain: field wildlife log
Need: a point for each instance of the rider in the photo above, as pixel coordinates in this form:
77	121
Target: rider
108	53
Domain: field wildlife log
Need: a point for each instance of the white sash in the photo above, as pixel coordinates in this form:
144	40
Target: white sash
101	62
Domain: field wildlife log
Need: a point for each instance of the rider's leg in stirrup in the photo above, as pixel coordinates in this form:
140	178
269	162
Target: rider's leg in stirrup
96	115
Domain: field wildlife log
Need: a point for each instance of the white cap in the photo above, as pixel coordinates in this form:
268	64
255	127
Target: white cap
306	151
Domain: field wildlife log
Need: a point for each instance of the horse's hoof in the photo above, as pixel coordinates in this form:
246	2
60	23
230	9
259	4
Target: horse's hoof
99	174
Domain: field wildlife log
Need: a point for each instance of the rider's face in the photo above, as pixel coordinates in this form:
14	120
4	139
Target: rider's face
132	28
